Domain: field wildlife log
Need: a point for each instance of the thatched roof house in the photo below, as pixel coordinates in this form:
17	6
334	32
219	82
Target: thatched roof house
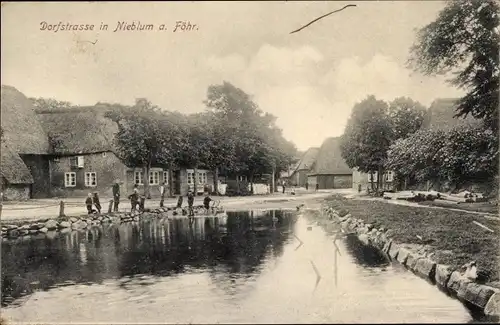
329	160
22	130
13	170
79	130
308	159
440	115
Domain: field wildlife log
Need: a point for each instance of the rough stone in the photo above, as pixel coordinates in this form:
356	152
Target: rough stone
11	227
44	230
65	230
442	276
4	229
411	261
426	268
478	294
65	224
24	227
462	289
387	246
364	239
34	231
13	233
51	225
393	251
454	282
23	232
362	230
73	219
403	255
492	307
35	226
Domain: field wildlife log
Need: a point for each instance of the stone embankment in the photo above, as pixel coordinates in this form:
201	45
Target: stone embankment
418	259
42	227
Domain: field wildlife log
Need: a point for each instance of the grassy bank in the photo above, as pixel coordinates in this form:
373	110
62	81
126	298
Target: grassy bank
452	235
484	207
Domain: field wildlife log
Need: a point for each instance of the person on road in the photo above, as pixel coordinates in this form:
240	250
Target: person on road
190	197
162	193
307	186
116	195
134	199
283	185
206	203
88	203
317	187
97	203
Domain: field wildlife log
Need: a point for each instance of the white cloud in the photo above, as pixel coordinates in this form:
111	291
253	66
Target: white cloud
311	103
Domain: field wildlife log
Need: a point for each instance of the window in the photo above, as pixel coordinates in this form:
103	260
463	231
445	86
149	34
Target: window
165	177
77	162
374	177
138	177
202	177
389	176
190	177
154	177
69	179
90	179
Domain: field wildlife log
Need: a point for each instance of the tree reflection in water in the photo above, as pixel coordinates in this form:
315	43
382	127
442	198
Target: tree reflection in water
230	253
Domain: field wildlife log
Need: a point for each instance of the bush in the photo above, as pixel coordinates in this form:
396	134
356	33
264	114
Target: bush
235	188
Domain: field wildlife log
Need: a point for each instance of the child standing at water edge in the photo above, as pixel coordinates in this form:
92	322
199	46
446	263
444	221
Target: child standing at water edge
134	199
88	203
206	203
97	203
190	203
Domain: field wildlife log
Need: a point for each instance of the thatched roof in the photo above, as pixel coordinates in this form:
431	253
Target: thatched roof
308	159
329	160
22	130
79	130
13	168
440	115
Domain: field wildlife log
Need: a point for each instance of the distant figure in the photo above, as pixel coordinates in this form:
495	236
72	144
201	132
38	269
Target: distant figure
97	203
317	187
116	195
88	203
206	203
190	197
283	185
162	194
307	186
179	202
134	199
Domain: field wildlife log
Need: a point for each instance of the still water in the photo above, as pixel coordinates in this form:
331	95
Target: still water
251	267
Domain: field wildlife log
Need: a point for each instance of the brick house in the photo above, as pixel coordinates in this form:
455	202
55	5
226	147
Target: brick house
25	148
329	170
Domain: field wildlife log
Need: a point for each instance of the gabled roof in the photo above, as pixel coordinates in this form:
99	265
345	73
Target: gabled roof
13	168
329	160
308	159
81	130
22	130
440	115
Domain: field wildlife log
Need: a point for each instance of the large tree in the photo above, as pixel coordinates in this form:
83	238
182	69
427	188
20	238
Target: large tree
367	137
464	41
406	116
147	136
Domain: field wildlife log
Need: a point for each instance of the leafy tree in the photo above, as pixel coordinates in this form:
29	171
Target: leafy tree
367	136
455	156
147	136
49	104
464	40
406	116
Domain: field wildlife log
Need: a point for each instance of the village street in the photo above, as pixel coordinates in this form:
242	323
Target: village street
47	208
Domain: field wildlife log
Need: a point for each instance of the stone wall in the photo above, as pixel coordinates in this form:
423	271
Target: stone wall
418	259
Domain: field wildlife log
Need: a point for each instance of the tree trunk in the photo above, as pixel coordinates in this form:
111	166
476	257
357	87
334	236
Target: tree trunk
195	181
380	179
145	180
216	181
238	184
171	180
371	181
273	182
251	183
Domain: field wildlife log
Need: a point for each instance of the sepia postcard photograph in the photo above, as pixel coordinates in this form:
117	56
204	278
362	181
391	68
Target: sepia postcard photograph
250	162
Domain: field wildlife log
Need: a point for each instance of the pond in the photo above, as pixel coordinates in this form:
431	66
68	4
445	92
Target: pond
251	267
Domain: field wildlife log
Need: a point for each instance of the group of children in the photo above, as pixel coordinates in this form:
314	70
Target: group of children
137	202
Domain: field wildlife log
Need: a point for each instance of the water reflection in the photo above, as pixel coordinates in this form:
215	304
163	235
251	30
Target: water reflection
159	247
365	255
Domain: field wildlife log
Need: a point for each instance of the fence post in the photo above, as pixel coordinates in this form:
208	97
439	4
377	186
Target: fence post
110	206
61	209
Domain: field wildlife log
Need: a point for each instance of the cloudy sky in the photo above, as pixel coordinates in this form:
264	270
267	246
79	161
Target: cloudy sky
310	80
